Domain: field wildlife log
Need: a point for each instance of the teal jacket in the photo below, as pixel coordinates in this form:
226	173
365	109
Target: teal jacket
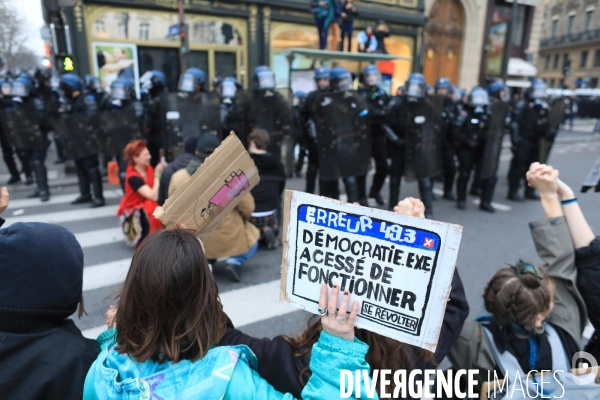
226	372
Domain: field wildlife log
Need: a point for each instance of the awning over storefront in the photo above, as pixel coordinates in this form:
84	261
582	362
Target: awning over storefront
516	83
520	67
342	56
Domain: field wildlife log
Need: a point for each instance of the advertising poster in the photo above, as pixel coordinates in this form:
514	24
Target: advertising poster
116	60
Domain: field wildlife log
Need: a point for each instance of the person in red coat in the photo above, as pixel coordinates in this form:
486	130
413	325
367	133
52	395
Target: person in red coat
141	193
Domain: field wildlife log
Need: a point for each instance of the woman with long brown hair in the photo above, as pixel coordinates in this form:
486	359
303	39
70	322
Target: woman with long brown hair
286	362
170	319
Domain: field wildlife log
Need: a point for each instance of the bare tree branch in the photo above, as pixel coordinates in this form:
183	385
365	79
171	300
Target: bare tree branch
12	35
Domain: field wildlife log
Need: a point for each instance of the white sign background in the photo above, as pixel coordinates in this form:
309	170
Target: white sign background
400	268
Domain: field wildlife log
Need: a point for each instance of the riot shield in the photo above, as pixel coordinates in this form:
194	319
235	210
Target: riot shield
79	135
22	130
197	115
556	113
423	139
264	110
172	135
344	140
555	117
116	130
493	140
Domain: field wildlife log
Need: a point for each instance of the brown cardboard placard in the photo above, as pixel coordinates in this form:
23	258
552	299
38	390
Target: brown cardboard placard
215	189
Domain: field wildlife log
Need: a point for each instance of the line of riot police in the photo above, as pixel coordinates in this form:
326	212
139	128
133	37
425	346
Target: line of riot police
422	137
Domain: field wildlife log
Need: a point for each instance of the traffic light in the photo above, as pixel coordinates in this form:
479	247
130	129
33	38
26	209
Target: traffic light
185	40
65	64
567	67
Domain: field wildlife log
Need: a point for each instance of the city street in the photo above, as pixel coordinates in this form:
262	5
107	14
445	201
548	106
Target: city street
488	242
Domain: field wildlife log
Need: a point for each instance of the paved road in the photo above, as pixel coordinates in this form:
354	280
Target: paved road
489	241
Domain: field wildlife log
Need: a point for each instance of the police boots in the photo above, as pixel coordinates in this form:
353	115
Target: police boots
394	192
96	187
426	192
352	191
85	196
41	177
487	193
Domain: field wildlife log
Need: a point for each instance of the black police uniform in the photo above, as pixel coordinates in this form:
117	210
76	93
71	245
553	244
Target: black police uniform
300	136
307	119
7	150
396	118
529	124
154	125
378	101
449	115
88	168
469	141
35	159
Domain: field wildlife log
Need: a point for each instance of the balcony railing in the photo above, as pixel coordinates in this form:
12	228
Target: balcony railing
574	37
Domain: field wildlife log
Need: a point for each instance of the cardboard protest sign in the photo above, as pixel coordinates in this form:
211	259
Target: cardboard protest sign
220	183
400	268
593	178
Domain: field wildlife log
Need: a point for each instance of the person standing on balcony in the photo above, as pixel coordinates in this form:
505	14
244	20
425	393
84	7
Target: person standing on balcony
349	11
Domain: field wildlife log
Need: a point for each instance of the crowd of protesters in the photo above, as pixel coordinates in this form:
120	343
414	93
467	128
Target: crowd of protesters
167	335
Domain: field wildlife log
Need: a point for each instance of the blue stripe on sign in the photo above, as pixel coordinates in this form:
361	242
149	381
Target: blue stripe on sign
404	235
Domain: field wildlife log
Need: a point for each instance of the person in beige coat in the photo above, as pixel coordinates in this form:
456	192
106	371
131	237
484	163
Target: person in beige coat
235	237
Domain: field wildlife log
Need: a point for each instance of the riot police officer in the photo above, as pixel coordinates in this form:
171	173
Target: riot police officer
22	91
449	113
24	99
154	87
192	84
88	171
396	119
377	100
93	87
307	119
7	149
228	89
423	162
529	123
470	136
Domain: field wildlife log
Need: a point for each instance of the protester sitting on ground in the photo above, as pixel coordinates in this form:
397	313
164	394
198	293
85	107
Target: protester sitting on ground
267	194
587	259
286	362
170	318
235	238
141	192
43	355
4	197
367	42
180	162
530	305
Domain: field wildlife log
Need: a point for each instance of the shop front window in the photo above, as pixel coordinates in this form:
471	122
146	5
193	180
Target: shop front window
144	30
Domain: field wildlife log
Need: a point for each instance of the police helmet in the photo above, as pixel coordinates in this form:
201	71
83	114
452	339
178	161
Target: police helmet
6	87
371	75
121	89
415	86
322	73
153	79
263	78
216	82
92	83
495	88
191	79
341	80
70	83
229	87
300	94
22	86
537	90
443	83
479	97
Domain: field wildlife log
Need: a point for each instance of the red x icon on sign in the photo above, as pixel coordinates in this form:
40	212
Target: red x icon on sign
428	243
